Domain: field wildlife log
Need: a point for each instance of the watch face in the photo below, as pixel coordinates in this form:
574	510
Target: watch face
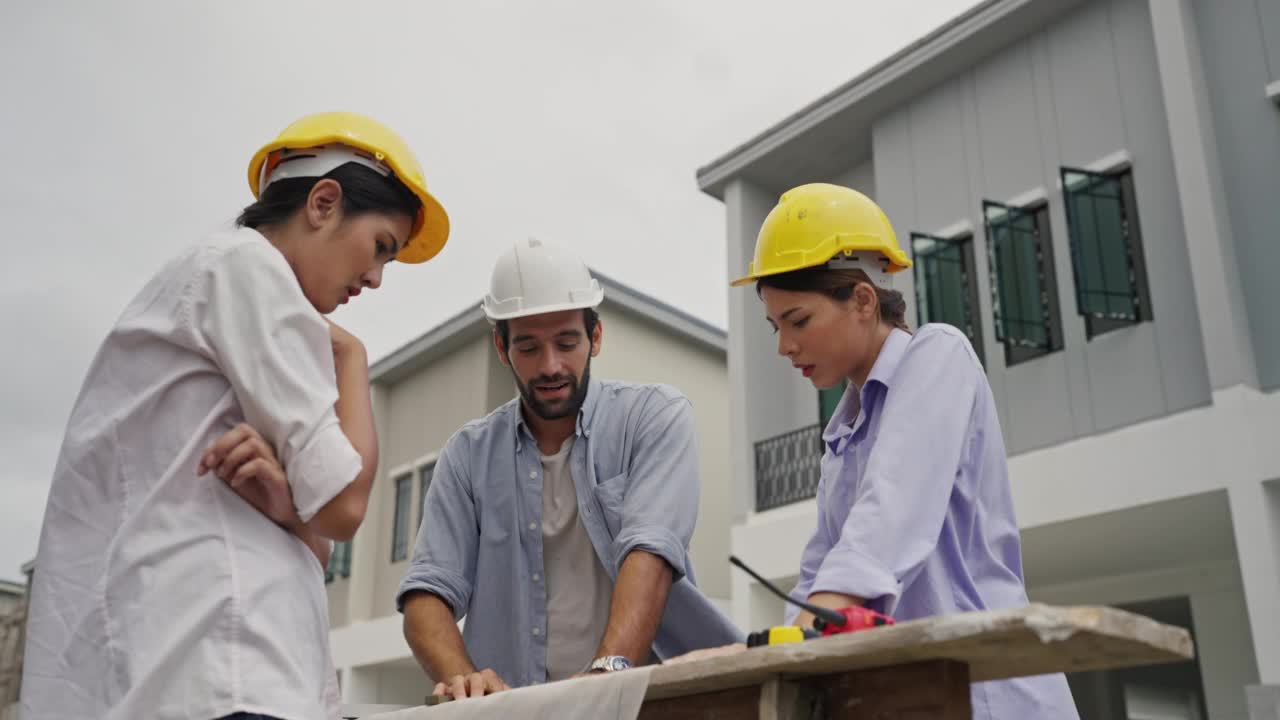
610	663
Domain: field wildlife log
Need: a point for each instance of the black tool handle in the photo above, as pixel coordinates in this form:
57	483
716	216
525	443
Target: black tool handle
830	617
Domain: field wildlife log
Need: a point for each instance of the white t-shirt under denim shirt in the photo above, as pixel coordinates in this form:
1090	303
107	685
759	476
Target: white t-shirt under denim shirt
160	594
579	590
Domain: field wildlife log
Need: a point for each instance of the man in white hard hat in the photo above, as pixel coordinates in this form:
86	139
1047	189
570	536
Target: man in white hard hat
559	524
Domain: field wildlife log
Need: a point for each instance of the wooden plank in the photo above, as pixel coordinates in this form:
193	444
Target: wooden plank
1000	644
741	703
782	700
938	689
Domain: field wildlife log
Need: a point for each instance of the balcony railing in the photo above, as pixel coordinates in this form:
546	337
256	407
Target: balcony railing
787	467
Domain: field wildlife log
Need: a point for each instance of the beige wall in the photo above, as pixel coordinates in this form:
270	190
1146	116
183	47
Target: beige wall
418	414
415	417
339	592
637	350
424	410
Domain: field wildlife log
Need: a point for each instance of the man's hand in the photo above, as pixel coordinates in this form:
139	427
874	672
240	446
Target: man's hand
639	598
474	685
247	463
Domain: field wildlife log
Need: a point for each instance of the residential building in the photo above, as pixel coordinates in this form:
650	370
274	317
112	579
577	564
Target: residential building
1088	189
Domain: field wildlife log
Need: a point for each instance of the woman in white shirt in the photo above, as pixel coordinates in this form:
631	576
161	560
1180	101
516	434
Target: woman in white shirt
164	590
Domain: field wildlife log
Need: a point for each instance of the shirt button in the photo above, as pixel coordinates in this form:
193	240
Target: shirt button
533	474
536	577
537	631
533	526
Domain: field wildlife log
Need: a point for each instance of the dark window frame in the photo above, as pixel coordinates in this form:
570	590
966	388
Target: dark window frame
972	312
1138	294
403	499
1021	346
339	562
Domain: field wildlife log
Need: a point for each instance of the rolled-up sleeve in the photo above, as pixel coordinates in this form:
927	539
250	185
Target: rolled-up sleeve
444	556
901	501
251	317
661	504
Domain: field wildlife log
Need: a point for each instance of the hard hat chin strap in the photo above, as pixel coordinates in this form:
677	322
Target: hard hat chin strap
873	264
314	162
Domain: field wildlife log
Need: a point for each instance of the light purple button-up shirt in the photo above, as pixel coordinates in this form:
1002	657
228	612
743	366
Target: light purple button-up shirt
914	508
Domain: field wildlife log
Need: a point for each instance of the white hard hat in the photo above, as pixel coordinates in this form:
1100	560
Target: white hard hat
535	277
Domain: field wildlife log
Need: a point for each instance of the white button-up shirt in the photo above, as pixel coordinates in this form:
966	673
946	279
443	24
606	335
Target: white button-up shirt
160	594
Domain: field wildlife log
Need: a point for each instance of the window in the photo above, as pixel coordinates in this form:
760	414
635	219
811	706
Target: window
424	482
946	284
827	401
1106	250
339	562
399	544
1024	290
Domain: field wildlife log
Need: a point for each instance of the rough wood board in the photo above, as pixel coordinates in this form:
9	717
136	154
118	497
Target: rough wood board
1000	644
937	689
741	703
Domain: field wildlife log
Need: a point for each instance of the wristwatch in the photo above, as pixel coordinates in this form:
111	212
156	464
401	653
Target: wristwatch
609	663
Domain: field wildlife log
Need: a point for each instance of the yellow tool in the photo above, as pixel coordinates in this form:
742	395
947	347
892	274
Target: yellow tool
780	635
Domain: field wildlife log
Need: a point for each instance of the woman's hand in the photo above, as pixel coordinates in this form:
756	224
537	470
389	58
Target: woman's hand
829	600
247	463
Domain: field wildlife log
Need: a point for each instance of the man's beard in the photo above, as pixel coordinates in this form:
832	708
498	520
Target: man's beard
559	409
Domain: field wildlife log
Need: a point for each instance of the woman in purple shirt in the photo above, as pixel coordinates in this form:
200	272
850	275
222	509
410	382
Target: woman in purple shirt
915	516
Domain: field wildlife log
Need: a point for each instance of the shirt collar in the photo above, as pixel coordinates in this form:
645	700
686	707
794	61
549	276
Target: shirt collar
882	372
585	414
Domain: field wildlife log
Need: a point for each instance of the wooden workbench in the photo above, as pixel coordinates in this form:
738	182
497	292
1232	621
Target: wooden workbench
919	669
913	669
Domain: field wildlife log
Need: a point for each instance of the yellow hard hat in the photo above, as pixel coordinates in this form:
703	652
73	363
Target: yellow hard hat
814	224
430	228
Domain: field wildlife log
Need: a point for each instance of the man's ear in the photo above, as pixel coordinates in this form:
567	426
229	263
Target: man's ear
597	336
500	348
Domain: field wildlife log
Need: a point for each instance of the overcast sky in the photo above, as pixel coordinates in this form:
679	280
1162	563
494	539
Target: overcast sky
126	127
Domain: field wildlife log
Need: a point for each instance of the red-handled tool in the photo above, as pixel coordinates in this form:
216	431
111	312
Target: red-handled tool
825	621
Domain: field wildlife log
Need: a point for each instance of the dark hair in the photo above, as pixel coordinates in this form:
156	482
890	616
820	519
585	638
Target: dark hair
839	285
363	191
589	318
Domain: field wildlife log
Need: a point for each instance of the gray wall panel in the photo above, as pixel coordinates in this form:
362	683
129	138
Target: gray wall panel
1083	88
1007	125
1075	349
1039	404
1180	345
994	360
937	158
860	177
895	189
1248	135
1268	12
1086	91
